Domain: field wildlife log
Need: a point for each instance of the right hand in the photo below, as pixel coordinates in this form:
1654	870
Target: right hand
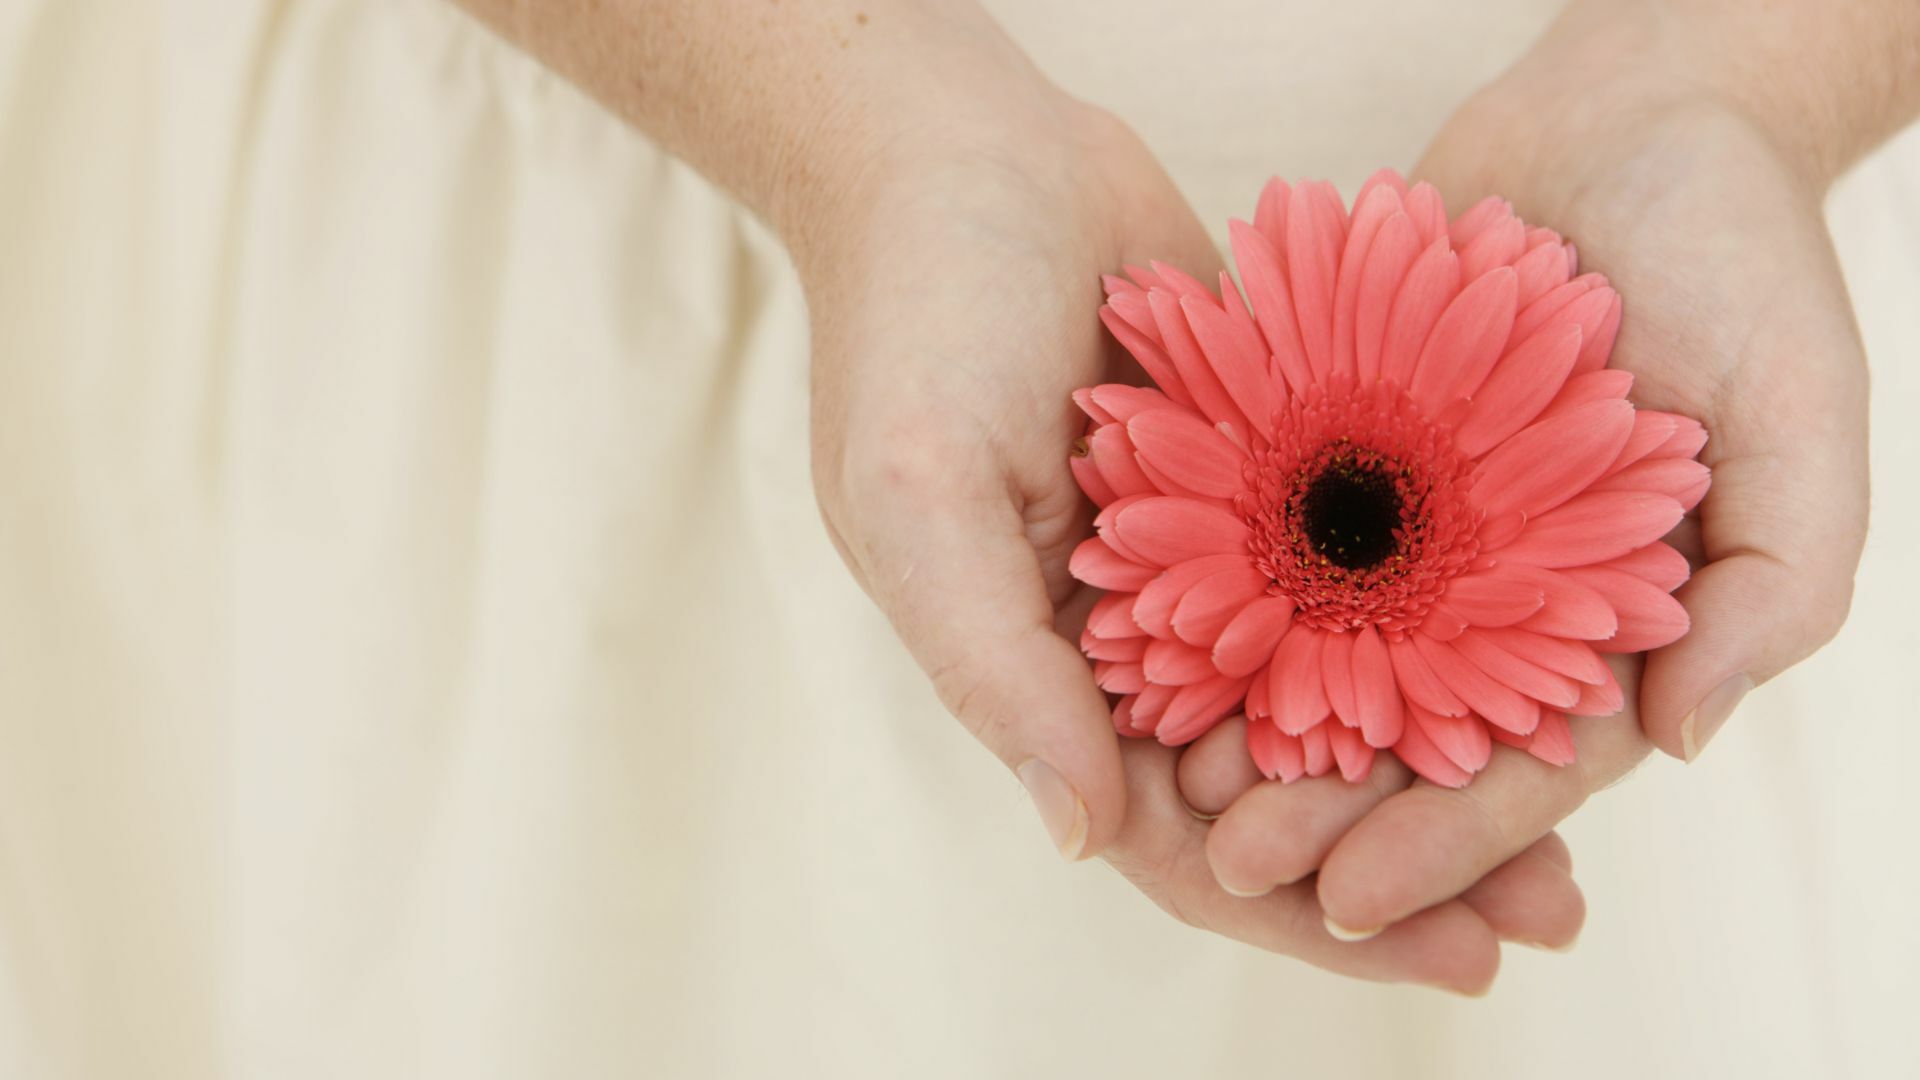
952	272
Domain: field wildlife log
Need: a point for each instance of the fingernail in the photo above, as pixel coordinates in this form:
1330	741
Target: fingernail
1544	947
1244	894
1712	712
1346	934
1061	810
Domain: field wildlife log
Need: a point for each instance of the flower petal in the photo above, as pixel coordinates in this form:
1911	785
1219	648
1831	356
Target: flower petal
1197	708
1651	427
1551	307
1167	485
1150	706
1428	211
1498	532
1131	305
1552	460
1649	617
1248	642
1160	597
1098	648
1386	177
1441	622
1521	385
1477	218
1111	452
1553	739
1508	738
1270	213
1571	610
1190	451
1179	282
1119	676
1431	284
1295	693
1238	356
1376	690
1176	663
1593	386
1594	528
1265	281
1574	659
1604	698
1087	475
1688	437
1336	675
1497	702
1152	357
1682	479
1211	605
1168	531
1350	752
1195	367
1512	671
1597	337
1417	749
1277	755
1494	597
1083	398
1371	212
1657	563
1462	739
1112	617
1316	229
1100	566
1388	259
1419	683
1495	248
1319	752
1466	341
1542	268
1124	402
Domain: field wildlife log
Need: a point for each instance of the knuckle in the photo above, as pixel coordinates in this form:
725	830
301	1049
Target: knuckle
898	465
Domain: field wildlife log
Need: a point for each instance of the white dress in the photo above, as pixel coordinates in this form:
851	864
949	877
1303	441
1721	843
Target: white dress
420	655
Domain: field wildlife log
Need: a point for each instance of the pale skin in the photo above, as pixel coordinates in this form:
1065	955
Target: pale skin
950	212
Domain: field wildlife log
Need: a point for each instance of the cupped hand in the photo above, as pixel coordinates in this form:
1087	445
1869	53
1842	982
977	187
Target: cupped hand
1735	313
954	285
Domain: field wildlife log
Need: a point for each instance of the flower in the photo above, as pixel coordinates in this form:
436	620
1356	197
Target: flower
1400	504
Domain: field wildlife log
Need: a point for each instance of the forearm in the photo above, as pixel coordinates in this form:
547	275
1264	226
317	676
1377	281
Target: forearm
1827	79
782	104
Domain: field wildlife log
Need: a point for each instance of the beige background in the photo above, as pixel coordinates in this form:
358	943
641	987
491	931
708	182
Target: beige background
419	655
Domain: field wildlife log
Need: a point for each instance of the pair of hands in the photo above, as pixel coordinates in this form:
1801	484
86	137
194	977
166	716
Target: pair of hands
953	288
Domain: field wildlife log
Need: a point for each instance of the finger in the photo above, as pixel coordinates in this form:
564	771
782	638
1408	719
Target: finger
1216	768
1278	833
1431	843
949	561
1160	849
1532	898
1783	537
1553	848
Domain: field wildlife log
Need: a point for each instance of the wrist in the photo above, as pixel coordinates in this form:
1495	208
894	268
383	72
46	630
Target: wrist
1808	79
944	90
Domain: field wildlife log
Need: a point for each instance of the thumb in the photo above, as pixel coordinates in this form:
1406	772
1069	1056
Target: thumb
1782	534
951	565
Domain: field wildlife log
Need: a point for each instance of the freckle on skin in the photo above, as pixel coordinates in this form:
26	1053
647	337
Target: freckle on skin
861	18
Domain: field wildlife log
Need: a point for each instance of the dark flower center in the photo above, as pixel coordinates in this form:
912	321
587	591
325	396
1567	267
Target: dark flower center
1350	512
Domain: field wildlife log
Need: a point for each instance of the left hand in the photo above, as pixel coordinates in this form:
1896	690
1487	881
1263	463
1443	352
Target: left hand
1736	314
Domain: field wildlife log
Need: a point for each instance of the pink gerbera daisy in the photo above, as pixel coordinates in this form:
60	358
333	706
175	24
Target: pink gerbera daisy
1401	504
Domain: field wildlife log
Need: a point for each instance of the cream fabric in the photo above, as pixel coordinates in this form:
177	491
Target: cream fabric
420	657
